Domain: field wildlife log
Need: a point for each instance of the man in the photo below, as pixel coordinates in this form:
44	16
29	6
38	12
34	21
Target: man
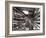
28	23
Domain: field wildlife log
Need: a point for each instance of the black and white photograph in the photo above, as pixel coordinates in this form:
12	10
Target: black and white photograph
25	19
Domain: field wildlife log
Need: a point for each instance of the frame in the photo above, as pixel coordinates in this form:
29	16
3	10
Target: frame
24	7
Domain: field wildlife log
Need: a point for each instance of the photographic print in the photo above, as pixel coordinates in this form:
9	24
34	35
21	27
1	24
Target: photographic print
25	19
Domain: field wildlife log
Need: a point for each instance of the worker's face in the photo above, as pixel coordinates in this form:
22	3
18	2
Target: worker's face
26	18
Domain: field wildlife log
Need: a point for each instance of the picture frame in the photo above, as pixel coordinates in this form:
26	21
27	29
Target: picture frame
30	10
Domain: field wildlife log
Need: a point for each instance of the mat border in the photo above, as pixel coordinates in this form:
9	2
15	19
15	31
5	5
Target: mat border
7	19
